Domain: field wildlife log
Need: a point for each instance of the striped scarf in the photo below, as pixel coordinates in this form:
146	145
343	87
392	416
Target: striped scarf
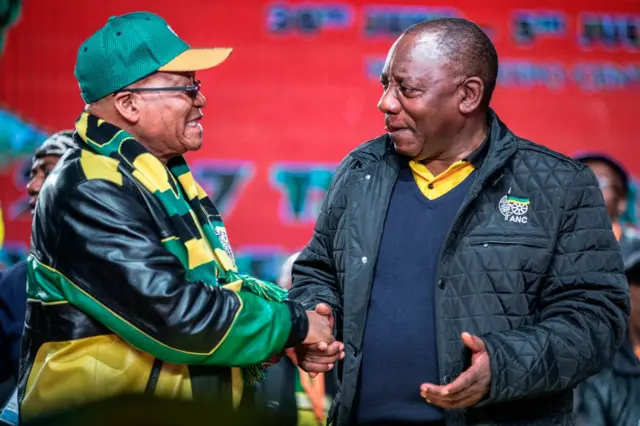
200	242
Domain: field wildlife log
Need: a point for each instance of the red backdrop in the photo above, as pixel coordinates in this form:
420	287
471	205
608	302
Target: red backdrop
290	104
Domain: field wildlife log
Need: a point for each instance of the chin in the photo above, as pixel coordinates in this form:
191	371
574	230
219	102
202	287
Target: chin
407	150
193	144
405	145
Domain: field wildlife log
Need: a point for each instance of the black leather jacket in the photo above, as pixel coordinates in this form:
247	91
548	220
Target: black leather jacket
108	304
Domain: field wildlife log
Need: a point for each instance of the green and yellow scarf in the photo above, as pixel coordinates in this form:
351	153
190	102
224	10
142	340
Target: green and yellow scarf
200	242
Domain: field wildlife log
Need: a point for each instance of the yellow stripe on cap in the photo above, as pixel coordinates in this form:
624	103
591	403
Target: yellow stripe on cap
197	59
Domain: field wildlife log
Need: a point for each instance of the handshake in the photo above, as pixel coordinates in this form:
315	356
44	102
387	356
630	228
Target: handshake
320	350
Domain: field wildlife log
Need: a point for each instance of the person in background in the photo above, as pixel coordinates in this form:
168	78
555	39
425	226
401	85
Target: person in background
2	266
13	283
612	397
613	180
290	394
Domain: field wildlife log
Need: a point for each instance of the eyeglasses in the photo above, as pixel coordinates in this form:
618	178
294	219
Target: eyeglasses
191	90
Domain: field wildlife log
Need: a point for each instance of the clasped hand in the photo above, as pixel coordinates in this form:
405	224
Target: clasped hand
320	350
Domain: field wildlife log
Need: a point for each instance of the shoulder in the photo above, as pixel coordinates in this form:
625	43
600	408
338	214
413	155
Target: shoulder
14	280
553	169
548	158
81	174
15	271
367	153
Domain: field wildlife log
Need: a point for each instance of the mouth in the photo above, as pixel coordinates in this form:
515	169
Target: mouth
32	204
195	122
394	129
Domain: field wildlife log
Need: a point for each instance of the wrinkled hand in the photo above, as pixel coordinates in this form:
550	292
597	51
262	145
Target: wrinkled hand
470	387
319	351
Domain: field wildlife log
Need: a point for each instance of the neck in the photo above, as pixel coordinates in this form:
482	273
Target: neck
466	141
114	119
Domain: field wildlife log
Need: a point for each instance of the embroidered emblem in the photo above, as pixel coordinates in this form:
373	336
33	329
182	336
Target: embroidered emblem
224	240
514	209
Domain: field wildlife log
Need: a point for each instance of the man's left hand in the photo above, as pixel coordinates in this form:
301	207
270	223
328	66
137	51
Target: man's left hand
470	387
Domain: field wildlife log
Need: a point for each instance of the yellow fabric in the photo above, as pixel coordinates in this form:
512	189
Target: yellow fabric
156	177
79	371
237	387
199	253
436	186
197	59
306	416
174	382
189	185
1	228
100	167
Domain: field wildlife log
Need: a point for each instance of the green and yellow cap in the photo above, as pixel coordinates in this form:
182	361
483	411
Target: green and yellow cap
133	46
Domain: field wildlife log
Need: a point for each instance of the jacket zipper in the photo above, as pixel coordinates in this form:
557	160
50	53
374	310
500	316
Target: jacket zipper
476	186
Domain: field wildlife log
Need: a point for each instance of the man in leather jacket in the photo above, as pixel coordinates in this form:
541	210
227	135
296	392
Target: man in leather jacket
473	275
132	283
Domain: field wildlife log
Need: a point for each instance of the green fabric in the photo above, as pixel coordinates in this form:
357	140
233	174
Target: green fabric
126	49
9	13
254	322
194	217
299	387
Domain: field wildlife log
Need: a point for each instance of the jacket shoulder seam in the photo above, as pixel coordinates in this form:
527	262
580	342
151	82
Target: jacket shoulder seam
527	145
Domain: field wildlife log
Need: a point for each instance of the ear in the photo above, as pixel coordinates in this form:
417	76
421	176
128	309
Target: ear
472	94
128	106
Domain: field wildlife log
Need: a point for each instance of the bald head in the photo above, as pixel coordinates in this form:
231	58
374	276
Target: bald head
438	79
463	45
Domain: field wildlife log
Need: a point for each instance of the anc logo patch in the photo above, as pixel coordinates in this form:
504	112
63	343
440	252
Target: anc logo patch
514	209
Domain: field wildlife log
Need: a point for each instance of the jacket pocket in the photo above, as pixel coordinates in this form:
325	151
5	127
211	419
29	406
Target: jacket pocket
529	240
512	264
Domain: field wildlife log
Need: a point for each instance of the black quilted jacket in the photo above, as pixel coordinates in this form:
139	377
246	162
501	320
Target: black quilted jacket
543	286
612	397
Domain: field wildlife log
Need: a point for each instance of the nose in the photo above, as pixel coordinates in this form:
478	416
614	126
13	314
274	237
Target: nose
200	101
34	186
388	103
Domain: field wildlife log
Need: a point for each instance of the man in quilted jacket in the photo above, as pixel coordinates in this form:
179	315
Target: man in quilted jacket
473	276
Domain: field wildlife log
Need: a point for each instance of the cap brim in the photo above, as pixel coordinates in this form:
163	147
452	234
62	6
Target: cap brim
197	59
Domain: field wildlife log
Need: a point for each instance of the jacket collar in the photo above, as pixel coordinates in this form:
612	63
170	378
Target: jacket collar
501	146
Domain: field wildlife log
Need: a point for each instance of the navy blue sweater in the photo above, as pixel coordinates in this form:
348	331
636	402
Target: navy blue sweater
399	350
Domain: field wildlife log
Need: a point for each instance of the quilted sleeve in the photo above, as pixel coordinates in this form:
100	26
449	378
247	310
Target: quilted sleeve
315	278
584	307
